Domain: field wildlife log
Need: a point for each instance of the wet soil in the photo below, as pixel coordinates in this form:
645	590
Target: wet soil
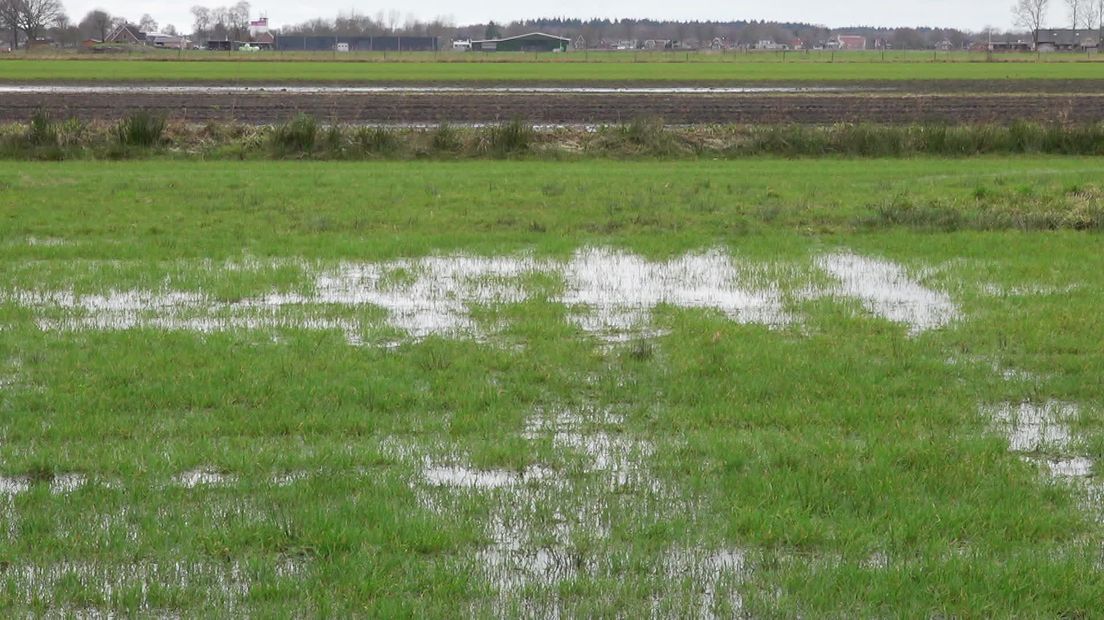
272	104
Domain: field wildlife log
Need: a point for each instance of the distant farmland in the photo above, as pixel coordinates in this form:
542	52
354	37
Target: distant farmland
562	68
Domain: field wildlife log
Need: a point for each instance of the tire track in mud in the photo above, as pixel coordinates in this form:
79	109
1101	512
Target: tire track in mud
569	109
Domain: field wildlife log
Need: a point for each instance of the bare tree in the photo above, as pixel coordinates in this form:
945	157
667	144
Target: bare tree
1076	14
201	22
147	23
36	15
1090	18
10	11
238	16
96	24
1030	14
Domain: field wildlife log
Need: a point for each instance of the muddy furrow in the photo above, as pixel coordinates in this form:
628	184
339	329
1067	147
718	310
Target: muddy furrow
408	108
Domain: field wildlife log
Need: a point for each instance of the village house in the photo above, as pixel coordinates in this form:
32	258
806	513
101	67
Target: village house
849	43
770	45
127	34
1066	40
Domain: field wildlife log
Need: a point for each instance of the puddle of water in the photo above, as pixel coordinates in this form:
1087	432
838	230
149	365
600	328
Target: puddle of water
1027	290
610	294
618	291
613	455
14	486
227	582
1041	434
1076	467
67	483
1006	373
46	242
430	296
1033	428
460	477
709	572
886	290
203	477
289	478
539	516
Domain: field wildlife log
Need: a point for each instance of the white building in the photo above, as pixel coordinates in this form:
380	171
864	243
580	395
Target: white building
259	26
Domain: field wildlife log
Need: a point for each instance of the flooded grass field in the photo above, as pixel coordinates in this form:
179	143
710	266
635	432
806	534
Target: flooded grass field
766	388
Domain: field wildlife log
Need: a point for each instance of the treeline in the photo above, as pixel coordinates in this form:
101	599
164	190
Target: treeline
733	33
25	22
597	33
380	24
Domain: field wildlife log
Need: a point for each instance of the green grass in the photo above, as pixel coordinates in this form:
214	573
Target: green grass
572	67
847	460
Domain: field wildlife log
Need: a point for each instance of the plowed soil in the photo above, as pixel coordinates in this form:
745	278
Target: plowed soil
271	106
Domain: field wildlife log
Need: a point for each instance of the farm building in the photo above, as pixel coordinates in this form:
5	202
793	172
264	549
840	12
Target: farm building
850	43
532	42
170	41
224	45
316	43
1007	46
263	40
1066	40
128	34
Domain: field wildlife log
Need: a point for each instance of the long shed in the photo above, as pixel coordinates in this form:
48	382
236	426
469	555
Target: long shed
387	43
532	42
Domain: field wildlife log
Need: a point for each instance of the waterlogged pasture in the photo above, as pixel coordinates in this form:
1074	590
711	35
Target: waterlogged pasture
526	389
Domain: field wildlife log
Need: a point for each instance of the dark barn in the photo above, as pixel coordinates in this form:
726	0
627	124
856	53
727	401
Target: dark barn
317	43
532	42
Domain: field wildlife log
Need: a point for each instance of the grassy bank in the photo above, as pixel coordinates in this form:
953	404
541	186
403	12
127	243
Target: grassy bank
490	69
213	403
142	135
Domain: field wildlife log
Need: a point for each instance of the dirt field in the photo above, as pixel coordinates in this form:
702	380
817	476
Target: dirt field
474	106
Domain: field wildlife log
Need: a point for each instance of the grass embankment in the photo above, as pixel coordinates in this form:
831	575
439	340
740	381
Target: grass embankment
142	136
846	460
754	69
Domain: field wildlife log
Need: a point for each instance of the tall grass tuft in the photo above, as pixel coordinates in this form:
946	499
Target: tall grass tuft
376	141
446	140
296	137
1079	208
42	131
140	129
513	138
643	136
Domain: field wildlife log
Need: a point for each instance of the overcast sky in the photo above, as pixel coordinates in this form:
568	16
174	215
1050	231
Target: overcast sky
968	14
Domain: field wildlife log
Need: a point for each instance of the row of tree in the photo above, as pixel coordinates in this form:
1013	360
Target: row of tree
31	20
380	24
599	32
1083	14
221	23
35	20
29	17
